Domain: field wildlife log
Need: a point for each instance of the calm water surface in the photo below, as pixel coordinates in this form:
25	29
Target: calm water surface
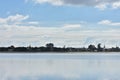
60	66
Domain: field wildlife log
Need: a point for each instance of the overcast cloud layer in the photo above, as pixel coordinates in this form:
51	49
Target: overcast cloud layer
95	3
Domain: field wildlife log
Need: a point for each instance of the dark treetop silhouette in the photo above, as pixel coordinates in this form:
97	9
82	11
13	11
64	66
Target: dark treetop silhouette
51	48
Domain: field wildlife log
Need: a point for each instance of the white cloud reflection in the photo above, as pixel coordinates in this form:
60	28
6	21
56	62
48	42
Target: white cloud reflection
55	69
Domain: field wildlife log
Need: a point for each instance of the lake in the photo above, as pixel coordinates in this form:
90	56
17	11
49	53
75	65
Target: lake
60	66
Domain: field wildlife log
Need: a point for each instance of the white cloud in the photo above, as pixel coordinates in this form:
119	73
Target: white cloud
54	2
17	17
13	19
75	35
96	3
72	26
104	22
116	5
102	6
33	23
38	36
108	22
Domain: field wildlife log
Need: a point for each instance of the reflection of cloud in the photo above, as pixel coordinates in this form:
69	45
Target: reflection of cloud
55	69
36	68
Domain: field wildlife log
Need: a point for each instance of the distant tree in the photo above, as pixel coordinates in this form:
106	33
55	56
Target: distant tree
91	48
99	48
11	48
50	46
29	48
21	49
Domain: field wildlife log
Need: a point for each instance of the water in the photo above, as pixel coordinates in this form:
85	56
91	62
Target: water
60	66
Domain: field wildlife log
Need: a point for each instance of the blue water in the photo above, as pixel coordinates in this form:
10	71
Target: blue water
60	66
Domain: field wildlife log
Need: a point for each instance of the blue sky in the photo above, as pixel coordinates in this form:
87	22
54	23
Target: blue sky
37	22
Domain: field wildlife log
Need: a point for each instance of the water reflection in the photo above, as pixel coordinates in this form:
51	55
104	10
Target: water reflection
59	67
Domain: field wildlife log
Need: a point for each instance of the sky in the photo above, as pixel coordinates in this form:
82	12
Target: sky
74	23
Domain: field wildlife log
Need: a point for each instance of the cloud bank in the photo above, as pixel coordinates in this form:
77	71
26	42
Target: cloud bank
109	23
95	3
18	31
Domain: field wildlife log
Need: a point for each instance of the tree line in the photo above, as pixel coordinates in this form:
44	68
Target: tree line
51	48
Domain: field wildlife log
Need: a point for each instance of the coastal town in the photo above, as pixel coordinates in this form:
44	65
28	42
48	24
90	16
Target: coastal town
49	47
